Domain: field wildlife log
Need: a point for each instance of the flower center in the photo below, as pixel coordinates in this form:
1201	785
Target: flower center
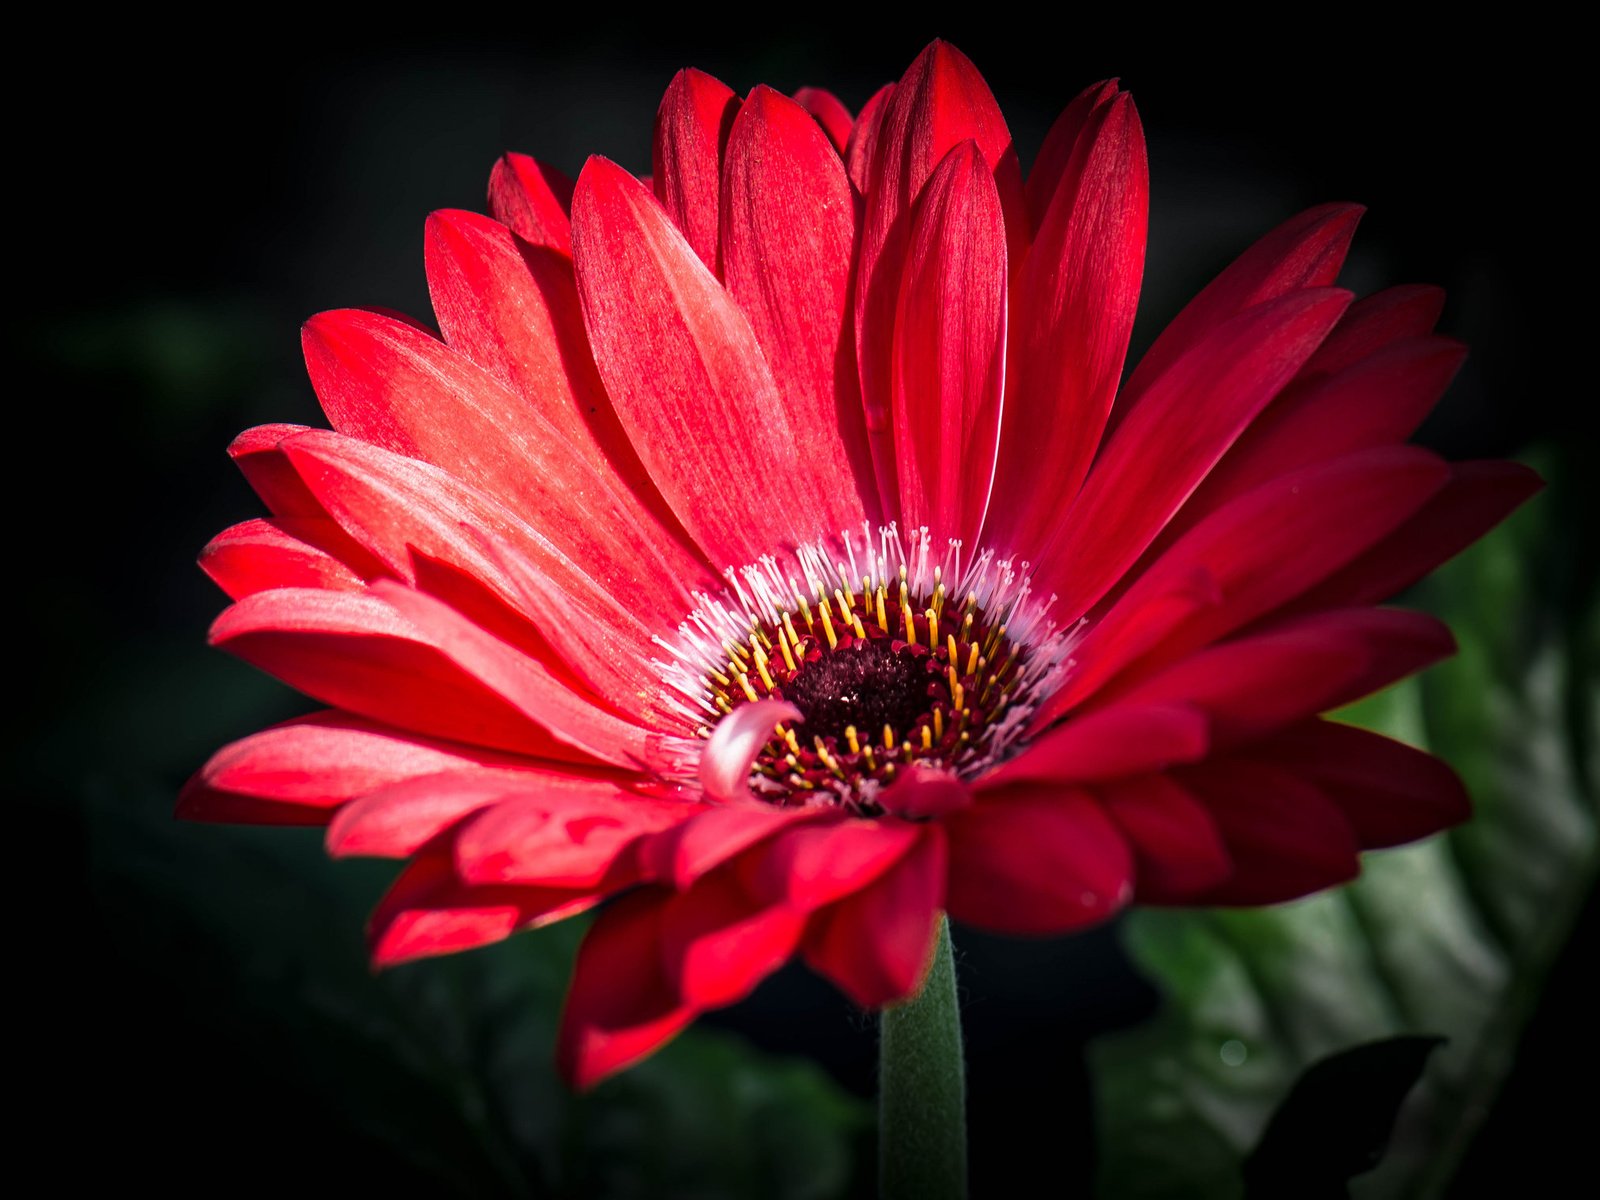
887	664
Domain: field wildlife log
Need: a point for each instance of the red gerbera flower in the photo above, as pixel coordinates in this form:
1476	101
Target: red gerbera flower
769	548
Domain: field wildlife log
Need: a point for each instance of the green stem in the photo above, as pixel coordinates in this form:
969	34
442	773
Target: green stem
922	1102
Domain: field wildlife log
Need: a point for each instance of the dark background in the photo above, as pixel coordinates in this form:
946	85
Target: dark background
181	213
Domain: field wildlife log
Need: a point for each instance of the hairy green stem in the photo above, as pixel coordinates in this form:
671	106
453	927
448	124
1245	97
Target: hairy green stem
922	1101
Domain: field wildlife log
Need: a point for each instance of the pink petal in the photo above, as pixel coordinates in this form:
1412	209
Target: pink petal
386	383
1476	498
532	199
734	744
620	1006
558	832
949	350
1124	739
427	911
692	128
1189	417
574	722
877	944
788	234
941	102
513	310
1250	557
1075	304
298	772
1285	838
717	943
1036	859
355	652
691	385
1306	251
1263	681
1177	851
862	148
1389	792
829	112
1057	151
283	552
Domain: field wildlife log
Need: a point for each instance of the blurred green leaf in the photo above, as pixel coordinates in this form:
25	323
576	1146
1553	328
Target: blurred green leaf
448	1062
1451	937
1336	1121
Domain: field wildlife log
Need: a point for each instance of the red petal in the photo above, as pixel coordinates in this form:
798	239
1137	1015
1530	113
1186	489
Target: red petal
949	350
1389	792
877	945
1306	251
941	102
1059	144
819	863
558	832
1108	744
920	792
427	911
690	383
788	234
619	1007
574	722
829	112
1251	556
384	382
1477	497
862	148
533	199
355	652
398	820
256	453
283	552
1190	416
682	854
1036	859
717	943
1177	851
298	772
1373	322
416	519
1378	401
1075	305
1263	681
692	127
1285	838
513	310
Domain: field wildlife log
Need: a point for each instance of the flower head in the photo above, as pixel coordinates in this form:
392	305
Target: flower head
768	551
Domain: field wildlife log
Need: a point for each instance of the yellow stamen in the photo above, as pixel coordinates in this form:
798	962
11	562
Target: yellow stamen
938	724
853	738
888	737
855	623
933	629
951	653
788	627
927	738
827	628
958	696
744	682
761	666
972	659
883	612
